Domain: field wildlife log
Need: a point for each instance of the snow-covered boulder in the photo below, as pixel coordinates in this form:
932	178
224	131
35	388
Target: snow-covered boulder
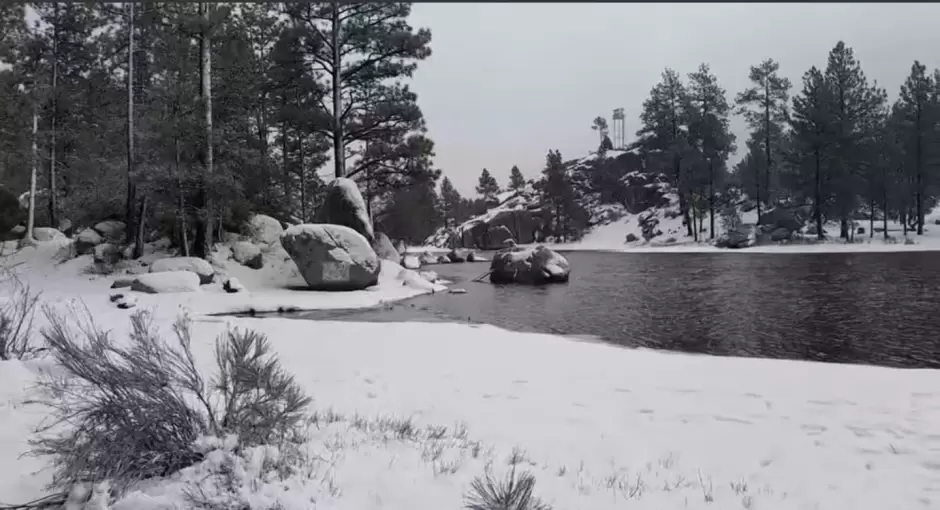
734	239
247	254
529	265
167	281
264	229
195	265
107	253
443	259
86	240
47	234
410	261
384	249
410	278
112	230
780	234
232	285
345	206
332	257
430	276
427	258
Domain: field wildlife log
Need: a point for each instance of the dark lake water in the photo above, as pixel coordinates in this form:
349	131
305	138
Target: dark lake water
872	308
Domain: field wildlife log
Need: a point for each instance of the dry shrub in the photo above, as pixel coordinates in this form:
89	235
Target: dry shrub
16	323
513	493
136	410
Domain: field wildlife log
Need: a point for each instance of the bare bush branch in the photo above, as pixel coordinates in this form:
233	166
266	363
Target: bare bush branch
127	413
16	323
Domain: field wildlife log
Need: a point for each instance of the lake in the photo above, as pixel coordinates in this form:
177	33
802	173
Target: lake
872	308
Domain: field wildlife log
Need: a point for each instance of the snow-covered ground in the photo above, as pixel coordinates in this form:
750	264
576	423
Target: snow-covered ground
600	426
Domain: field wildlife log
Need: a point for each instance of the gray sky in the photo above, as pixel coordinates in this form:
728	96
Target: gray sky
508	82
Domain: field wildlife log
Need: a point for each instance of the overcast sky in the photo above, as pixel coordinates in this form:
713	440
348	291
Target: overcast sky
508	82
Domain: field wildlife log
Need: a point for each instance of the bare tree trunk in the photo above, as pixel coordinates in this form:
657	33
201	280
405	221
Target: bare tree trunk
184	235
339	152
131	192
303	181
139	238
53	204
711	200
203	245
31	217
871	218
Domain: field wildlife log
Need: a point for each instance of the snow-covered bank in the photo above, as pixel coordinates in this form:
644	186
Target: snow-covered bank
600	426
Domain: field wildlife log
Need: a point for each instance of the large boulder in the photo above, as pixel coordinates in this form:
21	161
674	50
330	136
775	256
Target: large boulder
532	266
790	218
86	240
247	254
426	258
167	281
65	226
192	264
384	249
779	234
332	257
456	255
47	234
264	229
112	230
107	253
344	206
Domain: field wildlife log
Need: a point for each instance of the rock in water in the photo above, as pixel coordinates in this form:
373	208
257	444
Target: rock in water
456	255
529	265
332	257
167	281
247	254
384	249
264	229
411	262
344	205
192	264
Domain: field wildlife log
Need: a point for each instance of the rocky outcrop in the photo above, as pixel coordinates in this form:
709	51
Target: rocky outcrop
332	257
86	240
345	206
532	266
498	237
384	249
197	266
167	281
263	229
248	254
11	214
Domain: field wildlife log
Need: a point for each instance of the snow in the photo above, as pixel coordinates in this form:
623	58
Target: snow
166	281
600	426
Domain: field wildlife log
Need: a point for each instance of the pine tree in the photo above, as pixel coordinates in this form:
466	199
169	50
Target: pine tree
710	130
812	123
916	109
854	105
516	180
664	130
450	202
764	106
364	50
487	186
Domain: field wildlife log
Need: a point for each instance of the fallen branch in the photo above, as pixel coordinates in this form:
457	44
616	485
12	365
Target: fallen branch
52	500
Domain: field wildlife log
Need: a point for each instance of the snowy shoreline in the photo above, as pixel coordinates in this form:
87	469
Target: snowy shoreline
600	426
